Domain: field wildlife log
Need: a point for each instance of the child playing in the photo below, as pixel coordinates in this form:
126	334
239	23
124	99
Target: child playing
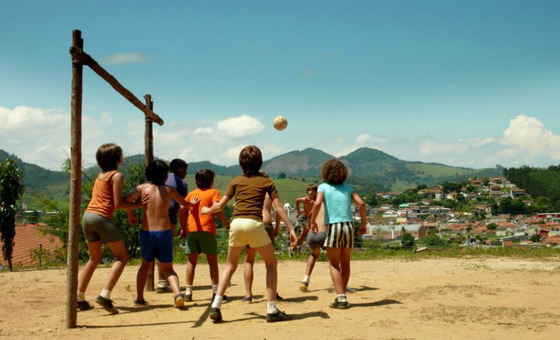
176	180
338	197
98	225
156	237
315	238
247	227
201	232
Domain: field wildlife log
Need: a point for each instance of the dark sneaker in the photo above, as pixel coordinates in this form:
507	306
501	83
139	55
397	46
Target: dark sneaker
84	305
140	302
179	301
278	297
107	304
188	297
247	299
277	317
339	304
215	314
303	286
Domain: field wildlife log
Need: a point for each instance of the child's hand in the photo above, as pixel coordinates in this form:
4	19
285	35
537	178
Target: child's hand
314	228
194	200
363	228
293	237
183	233
144	197
205	210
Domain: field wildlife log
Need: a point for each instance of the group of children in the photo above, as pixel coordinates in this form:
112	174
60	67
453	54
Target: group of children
327	221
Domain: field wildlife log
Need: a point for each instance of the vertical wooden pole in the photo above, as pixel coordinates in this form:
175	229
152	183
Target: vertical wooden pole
149	157
75	186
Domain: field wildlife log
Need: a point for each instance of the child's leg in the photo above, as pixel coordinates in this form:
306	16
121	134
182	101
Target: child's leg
229	270
334	267
267	254
94	249
141	278
191	268
345	254
171	276
121	254
315	252
214	271
248	271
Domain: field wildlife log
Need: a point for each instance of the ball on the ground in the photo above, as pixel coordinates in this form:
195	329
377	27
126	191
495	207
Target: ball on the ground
280	123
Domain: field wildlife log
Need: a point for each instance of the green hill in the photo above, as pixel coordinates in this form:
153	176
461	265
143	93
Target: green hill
40	182
371	170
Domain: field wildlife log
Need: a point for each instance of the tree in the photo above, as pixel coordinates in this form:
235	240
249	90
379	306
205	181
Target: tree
282	175
407	239
492	226
11	189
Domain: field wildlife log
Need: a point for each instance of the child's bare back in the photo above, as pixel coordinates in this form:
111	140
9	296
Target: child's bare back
157	199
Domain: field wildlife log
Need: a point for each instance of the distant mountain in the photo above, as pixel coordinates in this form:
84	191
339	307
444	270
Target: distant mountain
39	181
369	168
305	163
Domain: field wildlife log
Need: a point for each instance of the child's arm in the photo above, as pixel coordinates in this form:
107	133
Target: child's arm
182	201
279	208
223	218
216	207
315	212
360	202
133	198
298	201
120	202
277	229
183	220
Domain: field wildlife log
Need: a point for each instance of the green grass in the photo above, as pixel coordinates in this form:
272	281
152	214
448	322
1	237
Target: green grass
525	253
437	170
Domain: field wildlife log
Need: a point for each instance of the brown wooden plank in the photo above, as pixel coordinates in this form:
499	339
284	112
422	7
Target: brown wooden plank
86	59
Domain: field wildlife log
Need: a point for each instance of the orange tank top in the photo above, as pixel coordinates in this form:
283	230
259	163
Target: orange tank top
102	201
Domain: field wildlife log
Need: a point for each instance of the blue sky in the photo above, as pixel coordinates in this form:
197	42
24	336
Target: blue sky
466	83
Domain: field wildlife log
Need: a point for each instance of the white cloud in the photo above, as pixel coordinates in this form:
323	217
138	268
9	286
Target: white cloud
530	135
206	130
239	127
125	58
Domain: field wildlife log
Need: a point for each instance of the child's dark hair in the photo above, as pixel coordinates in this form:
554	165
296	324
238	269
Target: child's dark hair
108	156
177	164
250	160
204	178
334	172
156	172
312	187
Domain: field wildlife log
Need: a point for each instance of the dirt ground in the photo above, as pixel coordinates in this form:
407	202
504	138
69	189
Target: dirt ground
395	299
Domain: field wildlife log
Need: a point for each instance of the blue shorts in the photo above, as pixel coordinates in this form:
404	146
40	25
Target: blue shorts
158	244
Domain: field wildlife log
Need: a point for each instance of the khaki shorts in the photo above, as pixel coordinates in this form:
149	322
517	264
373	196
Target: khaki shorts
246	231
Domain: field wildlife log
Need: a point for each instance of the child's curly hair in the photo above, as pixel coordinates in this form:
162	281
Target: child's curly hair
334	172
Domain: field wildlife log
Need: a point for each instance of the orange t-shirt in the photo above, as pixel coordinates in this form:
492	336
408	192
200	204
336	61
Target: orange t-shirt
197	221
102	201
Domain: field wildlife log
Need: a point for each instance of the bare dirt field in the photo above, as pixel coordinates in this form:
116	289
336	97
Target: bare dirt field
395	299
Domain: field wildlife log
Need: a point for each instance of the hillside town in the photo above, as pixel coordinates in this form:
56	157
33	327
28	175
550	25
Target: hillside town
473	213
